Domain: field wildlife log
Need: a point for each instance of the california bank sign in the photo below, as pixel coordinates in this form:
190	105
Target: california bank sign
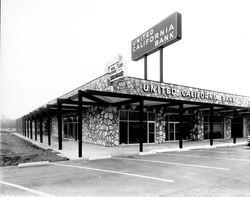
186	93
163	34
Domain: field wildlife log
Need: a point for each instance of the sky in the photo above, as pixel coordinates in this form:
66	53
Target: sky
50	47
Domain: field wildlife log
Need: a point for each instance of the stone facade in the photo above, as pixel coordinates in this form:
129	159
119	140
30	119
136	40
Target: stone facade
248	125
227	127
101	126
134	86
160	124
197	126
54	126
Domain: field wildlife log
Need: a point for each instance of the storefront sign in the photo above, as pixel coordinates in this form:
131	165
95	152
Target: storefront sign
186	93
116	68
163	34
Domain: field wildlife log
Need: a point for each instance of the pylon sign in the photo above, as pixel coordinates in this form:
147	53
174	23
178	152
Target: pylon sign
163	34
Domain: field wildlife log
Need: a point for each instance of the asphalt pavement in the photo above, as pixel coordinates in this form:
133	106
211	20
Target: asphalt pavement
222	171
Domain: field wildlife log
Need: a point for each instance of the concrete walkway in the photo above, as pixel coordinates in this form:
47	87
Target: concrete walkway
92	152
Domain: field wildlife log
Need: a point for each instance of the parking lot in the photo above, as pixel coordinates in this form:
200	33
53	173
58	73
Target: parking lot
202	172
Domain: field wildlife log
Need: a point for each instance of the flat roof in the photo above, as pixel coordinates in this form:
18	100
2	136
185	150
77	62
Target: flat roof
130	90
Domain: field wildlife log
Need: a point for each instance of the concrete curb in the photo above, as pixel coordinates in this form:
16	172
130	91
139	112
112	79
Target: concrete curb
33	164
99	157
147	153
190	148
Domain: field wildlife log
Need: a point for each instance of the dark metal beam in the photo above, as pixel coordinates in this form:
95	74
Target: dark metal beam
211	133
27	126
79	123
24	125
126	102
181	125
233	126
41	129
198	107
67	107
171	104
68	101
59	122
35	128
93	98
48	128
31	132
112	94
141	125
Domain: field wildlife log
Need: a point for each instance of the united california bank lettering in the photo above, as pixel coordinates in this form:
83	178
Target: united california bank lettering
157	38
163	34
185	93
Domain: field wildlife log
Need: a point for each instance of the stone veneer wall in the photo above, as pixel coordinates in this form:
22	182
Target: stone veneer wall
197	126
54	126
248	125
134	86
160	123
227	127
101	126
45	132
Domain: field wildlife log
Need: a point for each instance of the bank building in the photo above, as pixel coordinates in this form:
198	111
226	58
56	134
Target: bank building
114	109
117	110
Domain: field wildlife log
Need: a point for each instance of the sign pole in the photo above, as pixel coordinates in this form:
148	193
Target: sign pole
145	67
161	64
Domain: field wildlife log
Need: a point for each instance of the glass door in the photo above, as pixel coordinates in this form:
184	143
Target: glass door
151	132
172	133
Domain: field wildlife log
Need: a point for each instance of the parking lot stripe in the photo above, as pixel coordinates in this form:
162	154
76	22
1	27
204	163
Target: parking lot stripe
222	152
174	163
207	157
115	172
26	189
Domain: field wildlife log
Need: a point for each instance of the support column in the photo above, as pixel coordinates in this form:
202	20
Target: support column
181	125
211	123
59	123
79	123
31	131
233	126
161	64
145	67
141	125
76	129
48	128
35	127
24	126
41	130
28	130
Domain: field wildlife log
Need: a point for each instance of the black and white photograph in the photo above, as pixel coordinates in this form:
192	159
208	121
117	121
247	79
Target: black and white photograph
125	98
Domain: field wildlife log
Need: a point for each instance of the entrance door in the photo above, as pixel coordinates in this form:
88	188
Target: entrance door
238	127
151	132
173	131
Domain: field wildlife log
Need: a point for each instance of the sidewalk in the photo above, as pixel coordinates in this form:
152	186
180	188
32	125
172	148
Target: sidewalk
92	151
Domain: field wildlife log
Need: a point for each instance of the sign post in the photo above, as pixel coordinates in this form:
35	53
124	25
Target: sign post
161	64
145	67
